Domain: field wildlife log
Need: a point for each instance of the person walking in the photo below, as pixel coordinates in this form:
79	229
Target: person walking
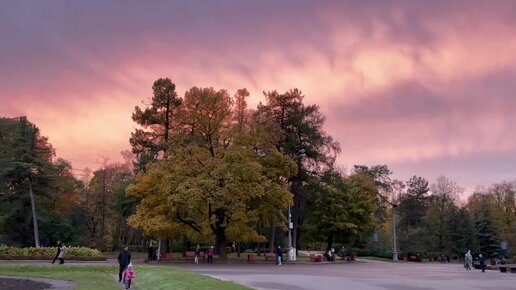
58	248
124	259
482	262
129	276
150	252
209	252
279	255
468	261
328	255
197	253
62	252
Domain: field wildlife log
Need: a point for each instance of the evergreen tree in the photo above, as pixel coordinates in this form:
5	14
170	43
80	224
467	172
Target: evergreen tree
296	127
30	181
412	208
461	232
487	236
158	122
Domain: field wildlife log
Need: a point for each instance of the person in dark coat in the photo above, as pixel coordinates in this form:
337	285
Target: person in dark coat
124	258
279	255
58	251
150	253
482	262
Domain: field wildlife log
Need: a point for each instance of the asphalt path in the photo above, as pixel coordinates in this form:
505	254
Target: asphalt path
370	275
362	275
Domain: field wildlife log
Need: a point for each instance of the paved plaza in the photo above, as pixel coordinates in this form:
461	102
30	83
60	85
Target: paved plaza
370	275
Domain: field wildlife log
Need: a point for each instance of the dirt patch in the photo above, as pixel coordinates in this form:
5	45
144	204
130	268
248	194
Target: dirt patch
17	283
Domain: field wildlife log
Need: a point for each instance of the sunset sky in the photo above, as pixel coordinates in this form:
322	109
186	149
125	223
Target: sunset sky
427	87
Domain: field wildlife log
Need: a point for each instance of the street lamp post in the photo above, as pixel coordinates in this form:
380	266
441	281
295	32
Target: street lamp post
291	250
34	215
394	247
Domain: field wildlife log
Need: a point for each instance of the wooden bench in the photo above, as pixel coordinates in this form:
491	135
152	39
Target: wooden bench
270	256
315	258
191	254
508	268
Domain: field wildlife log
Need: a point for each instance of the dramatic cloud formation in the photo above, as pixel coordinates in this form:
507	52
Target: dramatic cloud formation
424	86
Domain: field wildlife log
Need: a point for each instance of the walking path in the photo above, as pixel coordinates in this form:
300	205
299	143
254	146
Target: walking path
122	285
364	275
370	275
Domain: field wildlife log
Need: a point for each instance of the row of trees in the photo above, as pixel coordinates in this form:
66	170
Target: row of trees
30	179
42	201
434	219
206	168
210	168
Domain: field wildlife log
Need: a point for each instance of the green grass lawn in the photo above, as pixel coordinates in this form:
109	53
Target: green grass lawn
97	277
166	277
100	277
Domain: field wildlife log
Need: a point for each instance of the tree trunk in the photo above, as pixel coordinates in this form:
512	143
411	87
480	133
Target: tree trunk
186	245
34	216
220	243
104	202
158	251
295	222
238	249
167	245
296	191
329	241
272	237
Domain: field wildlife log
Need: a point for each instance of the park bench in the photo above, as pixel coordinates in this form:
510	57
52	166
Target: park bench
270	256
315	258
508	268
191	254
413	257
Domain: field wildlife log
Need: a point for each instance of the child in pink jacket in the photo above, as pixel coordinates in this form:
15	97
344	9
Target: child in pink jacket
129	275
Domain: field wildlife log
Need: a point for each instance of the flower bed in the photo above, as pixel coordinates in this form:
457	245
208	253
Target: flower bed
72	253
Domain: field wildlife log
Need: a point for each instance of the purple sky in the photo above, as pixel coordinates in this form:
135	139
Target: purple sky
426	87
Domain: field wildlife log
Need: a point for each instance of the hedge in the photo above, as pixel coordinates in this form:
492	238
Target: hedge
379	253
78	253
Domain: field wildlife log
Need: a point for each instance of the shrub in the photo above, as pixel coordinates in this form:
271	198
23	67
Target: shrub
379	253
6	251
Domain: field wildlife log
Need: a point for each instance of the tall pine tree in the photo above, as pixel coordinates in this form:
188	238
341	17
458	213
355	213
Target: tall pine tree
487	236
158	121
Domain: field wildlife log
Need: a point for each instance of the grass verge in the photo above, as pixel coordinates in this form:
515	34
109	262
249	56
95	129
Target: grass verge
167	277
86	277
100	277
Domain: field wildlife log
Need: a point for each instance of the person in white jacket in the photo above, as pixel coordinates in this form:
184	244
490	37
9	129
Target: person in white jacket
62	252
468	261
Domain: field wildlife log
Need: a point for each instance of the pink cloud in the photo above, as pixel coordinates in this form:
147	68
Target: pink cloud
400	82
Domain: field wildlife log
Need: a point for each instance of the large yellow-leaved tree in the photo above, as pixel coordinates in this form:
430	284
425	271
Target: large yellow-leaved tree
220	177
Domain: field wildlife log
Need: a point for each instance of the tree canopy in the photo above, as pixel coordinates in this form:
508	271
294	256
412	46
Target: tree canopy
205	167
216	181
